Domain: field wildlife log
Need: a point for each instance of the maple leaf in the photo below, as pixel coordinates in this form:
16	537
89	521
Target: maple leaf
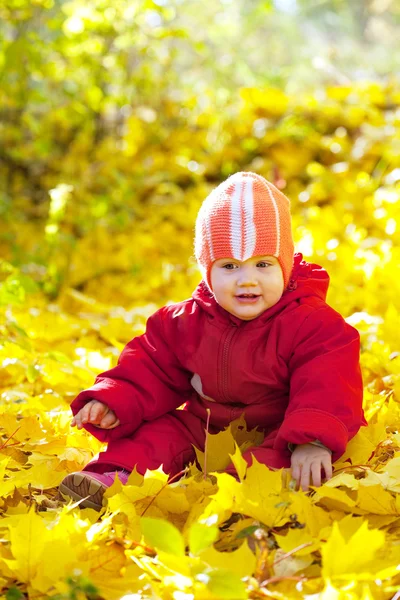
352	556
34	546
219	447
242	561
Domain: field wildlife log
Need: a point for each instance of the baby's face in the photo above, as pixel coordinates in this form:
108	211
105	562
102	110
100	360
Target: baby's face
246	289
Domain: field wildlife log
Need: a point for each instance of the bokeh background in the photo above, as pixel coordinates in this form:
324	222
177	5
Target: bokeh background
117	119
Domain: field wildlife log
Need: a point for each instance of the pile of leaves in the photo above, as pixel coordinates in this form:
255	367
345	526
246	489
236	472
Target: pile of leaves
206	535
68	310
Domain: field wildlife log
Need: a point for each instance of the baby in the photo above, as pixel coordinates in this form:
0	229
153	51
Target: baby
256	337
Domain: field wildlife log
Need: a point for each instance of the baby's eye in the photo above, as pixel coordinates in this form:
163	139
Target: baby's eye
263	264
229	266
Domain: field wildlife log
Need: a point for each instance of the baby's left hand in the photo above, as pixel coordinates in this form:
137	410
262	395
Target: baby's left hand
307	463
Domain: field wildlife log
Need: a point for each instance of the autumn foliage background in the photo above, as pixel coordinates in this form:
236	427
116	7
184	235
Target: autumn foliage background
116	120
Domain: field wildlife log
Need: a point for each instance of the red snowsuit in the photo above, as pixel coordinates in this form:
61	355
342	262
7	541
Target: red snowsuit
293	371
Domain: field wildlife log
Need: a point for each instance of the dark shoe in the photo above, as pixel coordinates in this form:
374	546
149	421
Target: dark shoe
90	487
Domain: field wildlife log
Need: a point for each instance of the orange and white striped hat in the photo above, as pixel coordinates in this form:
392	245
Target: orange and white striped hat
244	216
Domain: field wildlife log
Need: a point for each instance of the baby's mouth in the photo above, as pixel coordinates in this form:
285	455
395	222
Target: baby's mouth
247	295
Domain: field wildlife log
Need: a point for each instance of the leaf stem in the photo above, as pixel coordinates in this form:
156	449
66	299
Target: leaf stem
206	444
9	438
176	476
283	578
293	551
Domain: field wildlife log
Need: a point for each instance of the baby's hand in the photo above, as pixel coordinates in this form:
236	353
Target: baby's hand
96	413
307	462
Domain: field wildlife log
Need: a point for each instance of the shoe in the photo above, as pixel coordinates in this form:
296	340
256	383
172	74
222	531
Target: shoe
90	487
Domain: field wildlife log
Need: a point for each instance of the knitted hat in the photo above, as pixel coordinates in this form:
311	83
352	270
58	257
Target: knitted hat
244	216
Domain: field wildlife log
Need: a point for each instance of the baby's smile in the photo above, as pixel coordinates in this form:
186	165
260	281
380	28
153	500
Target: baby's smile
247	298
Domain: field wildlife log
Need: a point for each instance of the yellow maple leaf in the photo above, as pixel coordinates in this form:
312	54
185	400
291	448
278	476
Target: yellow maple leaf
244	437
334	499
297	538
34	548
346	479
42	476
239	462
259	496
4	460
262	496
312	517
173	499
222	446
242	561
105	561
347	558
219	447
222	502
287	566
374	499
361	446
391	474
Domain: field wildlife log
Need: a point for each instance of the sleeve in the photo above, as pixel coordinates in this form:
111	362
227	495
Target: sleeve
325	400
147	382
292	447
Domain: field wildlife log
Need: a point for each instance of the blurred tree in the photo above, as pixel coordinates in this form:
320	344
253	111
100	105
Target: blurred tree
118	108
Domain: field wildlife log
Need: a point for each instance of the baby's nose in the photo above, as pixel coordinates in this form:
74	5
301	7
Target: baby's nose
247	277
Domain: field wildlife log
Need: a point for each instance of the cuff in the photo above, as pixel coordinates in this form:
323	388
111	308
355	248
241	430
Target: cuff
109	435
304	426
314	443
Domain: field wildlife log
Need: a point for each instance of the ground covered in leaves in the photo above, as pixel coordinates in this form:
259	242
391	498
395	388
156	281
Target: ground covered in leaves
206	535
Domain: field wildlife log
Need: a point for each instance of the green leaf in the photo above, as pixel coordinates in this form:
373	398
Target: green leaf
32	373
161	535
201	537
59	357
15	288
14	327
13	593
247	531
6	267
223	584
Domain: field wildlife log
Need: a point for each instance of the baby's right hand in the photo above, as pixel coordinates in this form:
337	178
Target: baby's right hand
96	413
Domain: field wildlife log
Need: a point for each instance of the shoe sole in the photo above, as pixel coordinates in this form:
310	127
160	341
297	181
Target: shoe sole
79	486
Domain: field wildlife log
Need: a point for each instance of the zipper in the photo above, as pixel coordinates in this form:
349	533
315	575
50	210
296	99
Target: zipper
224	361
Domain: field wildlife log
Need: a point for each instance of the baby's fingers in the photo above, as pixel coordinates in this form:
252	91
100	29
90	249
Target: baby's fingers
84	413
109	421
82	416
305	477
77	420
316	473
296	473
98	410
327	464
